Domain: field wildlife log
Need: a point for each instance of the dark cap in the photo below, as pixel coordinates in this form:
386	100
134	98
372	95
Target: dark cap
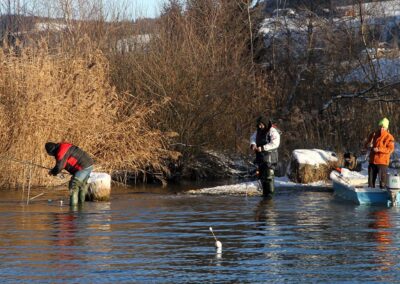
262	119
267	122
51	148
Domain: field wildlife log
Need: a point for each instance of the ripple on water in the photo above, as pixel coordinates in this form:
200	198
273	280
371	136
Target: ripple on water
295	237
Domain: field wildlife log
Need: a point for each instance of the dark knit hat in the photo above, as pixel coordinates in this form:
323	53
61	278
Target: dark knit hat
262	119
267	123
51	148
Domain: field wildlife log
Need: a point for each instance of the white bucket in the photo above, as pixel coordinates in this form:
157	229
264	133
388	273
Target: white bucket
393	181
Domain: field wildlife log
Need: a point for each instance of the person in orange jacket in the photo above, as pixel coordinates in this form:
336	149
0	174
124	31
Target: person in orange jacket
381	145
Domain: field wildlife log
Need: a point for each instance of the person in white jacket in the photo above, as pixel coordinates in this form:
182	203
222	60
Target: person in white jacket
265	143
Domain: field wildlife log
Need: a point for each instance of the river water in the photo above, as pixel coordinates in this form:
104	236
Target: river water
156	236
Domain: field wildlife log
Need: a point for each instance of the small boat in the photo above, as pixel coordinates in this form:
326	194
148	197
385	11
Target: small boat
356	190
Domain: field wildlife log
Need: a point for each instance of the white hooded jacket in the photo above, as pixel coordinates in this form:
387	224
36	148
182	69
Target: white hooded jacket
274	142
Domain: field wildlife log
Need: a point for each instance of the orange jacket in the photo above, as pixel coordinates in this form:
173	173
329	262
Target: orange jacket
383	140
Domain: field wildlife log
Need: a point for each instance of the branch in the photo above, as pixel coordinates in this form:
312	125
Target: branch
361	95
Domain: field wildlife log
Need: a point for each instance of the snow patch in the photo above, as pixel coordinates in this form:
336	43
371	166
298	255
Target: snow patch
314	157
253	188
382	69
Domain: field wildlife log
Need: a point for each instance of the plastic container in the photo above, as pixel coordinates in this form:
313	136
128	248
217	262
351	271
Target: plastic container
393	181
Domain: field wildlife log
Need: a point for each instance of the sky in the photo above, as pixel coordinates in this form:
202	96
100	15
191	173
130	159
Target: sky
126	8
149	8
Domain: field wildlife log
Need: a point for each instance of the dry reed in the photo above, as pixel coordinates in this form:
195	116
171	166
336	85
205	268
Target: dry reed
61	96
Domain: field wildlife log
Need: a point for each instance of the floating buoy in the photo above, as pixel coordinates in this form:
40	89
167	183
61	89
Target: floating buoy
218	244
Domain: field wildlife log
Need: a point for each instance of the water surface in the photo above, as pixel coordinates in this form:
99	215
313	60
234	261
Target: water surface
159	236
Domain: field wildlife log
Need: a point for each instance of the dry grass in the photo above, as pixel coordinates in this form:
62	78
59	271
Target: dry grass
305	174
60	96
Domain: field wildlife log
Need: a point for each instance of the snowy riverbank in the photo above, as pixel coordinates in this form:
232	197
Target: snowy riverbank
253	188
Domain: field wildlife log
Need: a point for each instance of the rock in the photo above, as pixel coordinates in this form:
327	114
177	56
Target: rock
311	165
99	187
209	164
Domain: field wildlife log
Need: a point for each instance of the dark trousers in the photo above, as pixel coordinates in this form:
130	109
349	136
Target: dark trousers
373	172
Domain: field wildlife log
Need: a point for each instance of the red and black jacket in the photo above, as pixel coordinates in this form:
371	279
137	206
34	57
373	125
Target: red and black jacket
71	158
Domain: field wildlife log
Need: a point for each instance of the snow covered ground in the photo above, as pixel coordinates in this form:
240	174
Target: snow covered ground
253	188
381	8
313	157
382	69
384	17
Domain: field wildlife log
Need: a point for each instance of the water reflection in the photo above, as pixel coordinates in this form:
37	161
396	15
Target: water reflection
293	237
217	260
382	236
262	214
65	234
381	222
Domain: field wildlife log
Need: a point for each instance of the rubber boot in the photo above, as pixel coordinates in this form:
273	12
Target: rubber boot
75	185
83	191
268	183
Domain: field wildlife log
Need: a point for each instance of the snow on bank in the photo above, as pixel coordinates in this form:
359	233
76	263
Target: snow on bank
306	156
253	188
313	157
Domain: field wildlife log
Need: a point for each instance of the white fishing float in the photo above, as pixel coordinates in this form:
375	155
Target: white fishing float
218	244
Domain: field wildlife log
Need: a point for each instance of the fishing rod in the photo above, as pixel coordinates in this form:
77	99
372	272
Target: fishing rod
24	162
29	163
61	175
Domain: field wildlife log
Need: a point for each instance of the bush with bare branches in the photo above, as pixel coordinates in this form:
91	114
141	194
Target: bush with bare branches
199	60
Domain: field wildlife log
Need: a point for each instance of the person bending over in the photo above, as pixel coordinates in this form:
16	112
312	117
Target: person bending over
77	162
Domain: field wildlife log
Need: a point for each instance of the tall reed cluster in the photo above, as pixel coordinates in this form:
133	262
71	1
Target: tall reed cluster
66	96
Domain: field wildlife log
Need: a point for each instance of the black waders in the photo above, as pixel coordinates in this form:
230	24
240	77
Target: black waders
267	182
